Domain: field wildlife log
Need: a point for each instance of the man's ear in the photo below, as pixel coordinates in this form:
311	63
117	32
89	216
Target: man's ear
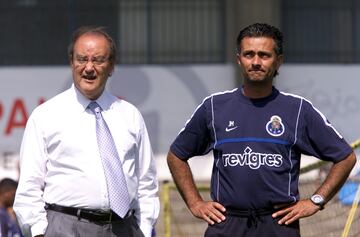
71	60
280	61
112	70
238	59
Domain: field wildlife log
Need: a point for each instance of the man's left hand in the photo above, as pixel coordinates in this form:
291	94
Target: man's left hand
302	208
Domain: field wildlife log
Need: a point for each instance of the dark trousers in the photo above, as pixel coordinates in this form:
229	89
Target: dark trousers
64	225
262	226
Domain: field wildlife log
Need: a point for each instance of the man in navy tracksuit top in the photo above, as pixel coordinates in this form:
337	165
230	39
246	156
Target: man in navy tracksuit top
257	135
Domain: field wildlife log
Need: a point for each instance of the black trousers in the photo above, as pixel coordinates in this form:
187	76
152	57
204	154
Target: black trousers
64	225
261	226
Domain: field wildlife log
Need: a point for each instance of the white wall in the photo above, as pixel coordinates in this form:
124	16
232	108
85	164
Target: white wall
167	96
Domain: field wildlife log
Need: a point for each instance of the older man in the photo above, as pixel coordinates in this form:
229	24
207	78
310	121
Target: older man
87	167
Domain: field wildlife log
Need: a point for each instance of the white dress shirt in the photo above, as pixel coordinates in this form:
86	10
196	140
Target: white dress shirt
60	161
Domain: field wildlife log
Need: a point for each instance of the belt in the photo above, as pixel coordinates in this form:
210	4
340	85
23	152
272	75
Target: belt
89	214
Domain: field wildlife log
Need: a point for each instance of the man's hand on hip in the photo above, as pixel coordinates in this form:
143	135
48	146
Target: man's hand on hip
302	208
209	211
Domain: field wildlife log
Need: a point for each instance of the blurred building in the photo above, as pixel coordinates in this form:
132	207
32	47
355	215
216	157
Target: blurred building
36	32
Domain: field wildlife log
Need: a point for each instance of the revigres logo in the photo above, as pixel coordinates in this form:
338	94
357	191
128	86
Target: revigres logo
252	159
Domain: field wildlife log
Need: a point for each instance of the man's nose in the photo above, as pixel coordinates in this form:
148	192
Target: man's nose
256	61
89	66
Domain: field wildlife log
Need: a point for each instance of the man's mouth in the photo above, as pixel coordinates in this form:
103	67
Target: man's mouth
89	77
256	70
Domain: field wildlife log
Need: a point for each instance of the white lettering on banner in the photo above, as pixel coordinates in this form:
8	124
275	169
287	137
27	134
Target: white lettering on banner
17	115
252	159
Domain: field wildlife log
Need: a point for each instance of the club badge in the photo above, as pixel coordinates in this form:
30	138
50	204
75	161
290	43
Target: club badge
275	127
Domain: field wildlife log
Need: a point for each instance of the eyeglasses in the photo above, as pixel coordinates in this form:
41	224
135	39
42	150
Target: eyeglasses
98	61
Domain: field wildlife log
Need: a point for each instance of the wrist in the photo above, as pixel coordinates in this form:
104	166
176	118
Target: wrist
318	200
195	203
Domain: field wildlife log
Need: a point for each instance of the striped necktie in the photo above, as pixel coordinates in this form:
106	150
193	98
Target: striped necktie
114	174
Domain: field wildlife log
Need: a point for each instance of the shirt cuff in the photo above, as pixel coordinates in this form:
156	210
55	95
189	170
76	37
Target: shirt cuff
38	228
146	228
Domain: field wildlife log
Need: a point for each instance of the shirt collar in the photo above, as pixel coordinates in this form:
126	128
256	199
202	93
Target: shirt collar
105	100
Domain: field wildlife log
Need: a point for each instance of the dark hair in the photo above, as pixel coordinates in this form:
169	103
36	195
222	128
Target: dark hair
262	30
92	30
7	184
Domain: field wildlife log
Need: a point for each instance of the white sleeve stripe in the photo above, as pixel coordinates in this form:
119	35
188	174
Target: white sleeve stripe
290	151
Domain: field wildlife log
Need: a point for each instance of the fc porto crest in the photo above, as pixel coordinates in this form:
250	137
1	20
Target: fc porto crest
275	127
